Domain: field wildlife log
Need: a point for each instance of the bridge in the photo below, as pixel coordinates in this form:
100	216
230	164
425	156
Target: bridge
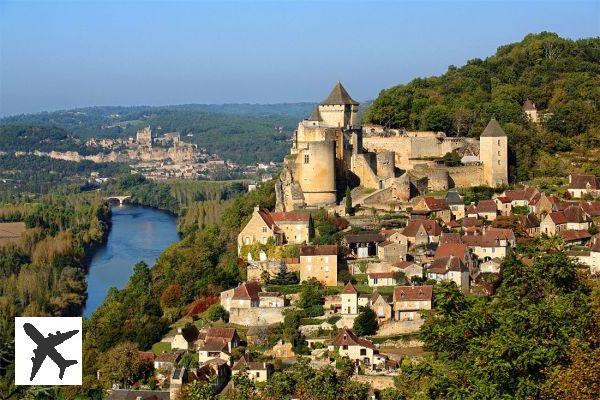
120	199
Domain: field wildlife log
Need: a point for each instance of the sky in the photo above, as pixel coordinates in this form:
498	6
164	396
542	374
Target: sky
66	54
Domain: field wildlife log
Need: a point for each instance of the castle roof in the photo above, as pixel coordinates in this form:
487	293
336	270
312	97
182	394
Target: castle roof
493	129
349	289
338	96
315	115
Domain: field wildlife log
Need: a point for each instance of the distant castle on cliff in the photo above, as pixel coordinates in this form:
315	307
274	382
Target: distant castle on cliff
331	151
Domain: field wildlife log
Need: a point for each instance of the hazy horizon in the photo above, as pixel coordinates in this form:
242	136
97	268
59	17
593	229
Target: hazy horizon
67	55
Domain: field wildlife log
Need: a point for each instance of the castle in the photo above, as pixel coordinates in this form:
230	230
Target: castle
331	151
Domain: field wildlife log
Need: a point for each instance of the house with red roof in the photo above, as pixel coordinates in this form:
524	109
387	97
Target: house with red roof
409	301
359	350
582	185
319	262
279	227
422	232
572	217
449	268
432	207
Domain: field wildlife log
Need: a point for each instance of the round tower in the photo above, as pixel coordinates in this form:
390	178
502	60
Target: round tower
316	164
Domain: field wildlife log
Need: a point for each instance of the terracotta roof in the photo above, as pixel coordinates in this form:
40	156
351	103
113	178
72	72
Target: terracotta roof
575	214
147	356
319	250
529	221
445	264
591	208
500	233
522	194
347	338
570	235
247	291
364	237
435	204
493	129
168	357
431	227
349	289
446	237
558	217
214	344
503	199
251	365
290	216
339	96
471	221
459	250
452	224
487	206
596	246
413	293
582	182
227	334
472	209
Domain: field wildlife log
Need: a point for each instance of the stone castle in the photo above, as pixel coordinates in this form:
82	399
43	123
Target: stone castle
331	151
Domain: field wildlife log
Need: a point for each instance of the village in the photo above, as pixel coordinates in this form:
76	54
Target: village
400	224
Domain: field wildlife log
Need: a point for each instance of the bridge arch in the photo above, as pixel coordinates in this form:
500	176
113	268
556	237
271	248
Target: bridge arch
120	199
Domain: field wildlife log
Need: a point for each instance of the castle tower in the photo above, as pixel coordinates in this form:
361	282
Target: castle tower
339	109
493	153
531	111
349	298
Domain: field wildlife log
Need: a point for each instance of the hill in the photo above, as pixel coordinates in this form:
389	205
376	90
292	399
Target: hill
561	76
245	133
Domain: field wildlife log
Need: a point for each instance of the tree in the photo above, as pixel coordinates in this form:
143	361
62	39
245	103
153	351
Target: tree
451	159
170	296
349	208
216	312
198	391
366	322
122	365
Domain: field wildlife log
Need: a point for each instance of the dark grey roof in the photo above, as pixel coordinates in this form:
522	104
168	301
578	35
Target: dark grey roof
315	115
493	129
453	198
123	394
339	96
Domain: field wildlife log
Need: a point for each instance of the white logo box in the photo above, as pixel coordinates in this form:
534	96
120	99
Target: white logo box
48	331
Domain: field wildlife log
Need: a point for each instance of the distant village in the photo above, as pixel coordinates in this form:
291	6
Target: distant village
407	227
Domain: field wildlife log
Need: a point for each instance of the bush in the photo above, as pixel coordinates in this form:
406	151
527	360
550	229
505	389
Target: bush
366	322
216	312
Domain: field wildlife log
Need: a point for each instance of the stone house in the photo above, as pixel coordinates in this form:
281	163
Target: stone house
553	223
186	338
380	307
349	300
456	204
410	268
257	371
422	232
218	344
449	268
245	295
391	251
572	218
319	262
491	243
541	204
459	250
520	197
167	361
282	227
491	266
359	350
591	258
581	185
575	236
487	210
248	305
363	244
409	301
504	205
432	207
376	279
530	224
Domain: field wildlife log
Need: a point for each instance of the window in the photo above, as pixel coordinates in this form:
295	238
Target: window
344	347
264	229
498	142
363	352
498	162
306	159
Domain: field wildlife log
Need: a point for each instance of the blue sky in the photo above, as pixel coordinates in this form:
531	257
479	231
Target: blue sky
56	55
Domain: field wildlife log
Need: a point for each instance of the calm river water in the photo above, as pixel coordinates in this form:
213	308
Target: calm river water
137	234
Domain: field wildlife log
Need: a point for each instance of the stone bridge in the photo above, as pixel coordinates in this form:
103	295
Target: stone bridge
120	199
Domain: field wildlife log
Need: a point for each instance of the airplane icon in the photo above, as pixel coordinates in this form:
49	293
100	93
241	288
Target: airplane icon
46	347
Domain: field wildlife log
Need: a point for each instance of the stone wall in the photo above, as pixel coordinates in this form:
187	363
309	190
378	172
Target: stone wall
256	316
363	166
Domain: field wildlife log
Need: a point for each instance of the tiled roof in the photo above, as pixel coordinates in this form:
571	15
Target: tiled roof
349	289
214	344
168	357
487	206
591	208
362	237
339	96
558	217
529	221
446	237
493	129
575	214
435	204
227	334
431	227
319	250
381	275
290	216
347	338
445	264
315	115
471	221
247	291
459	250
582	182
570	235
453	198
413	293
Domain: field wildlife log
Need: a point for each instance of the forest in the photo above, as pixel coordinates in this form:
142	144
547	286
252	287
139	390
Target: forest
244	133
561	76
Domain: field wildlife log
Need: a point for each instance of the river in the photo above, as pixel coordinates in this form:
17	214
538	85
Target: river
136	234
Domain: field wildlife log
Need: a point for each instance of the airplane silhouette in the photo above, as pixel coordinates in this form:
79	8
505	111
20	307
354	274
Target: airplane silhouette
46	347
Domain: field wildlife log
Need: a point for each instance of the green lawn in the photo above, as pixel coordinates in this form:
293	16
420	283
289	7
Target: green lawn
160	347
